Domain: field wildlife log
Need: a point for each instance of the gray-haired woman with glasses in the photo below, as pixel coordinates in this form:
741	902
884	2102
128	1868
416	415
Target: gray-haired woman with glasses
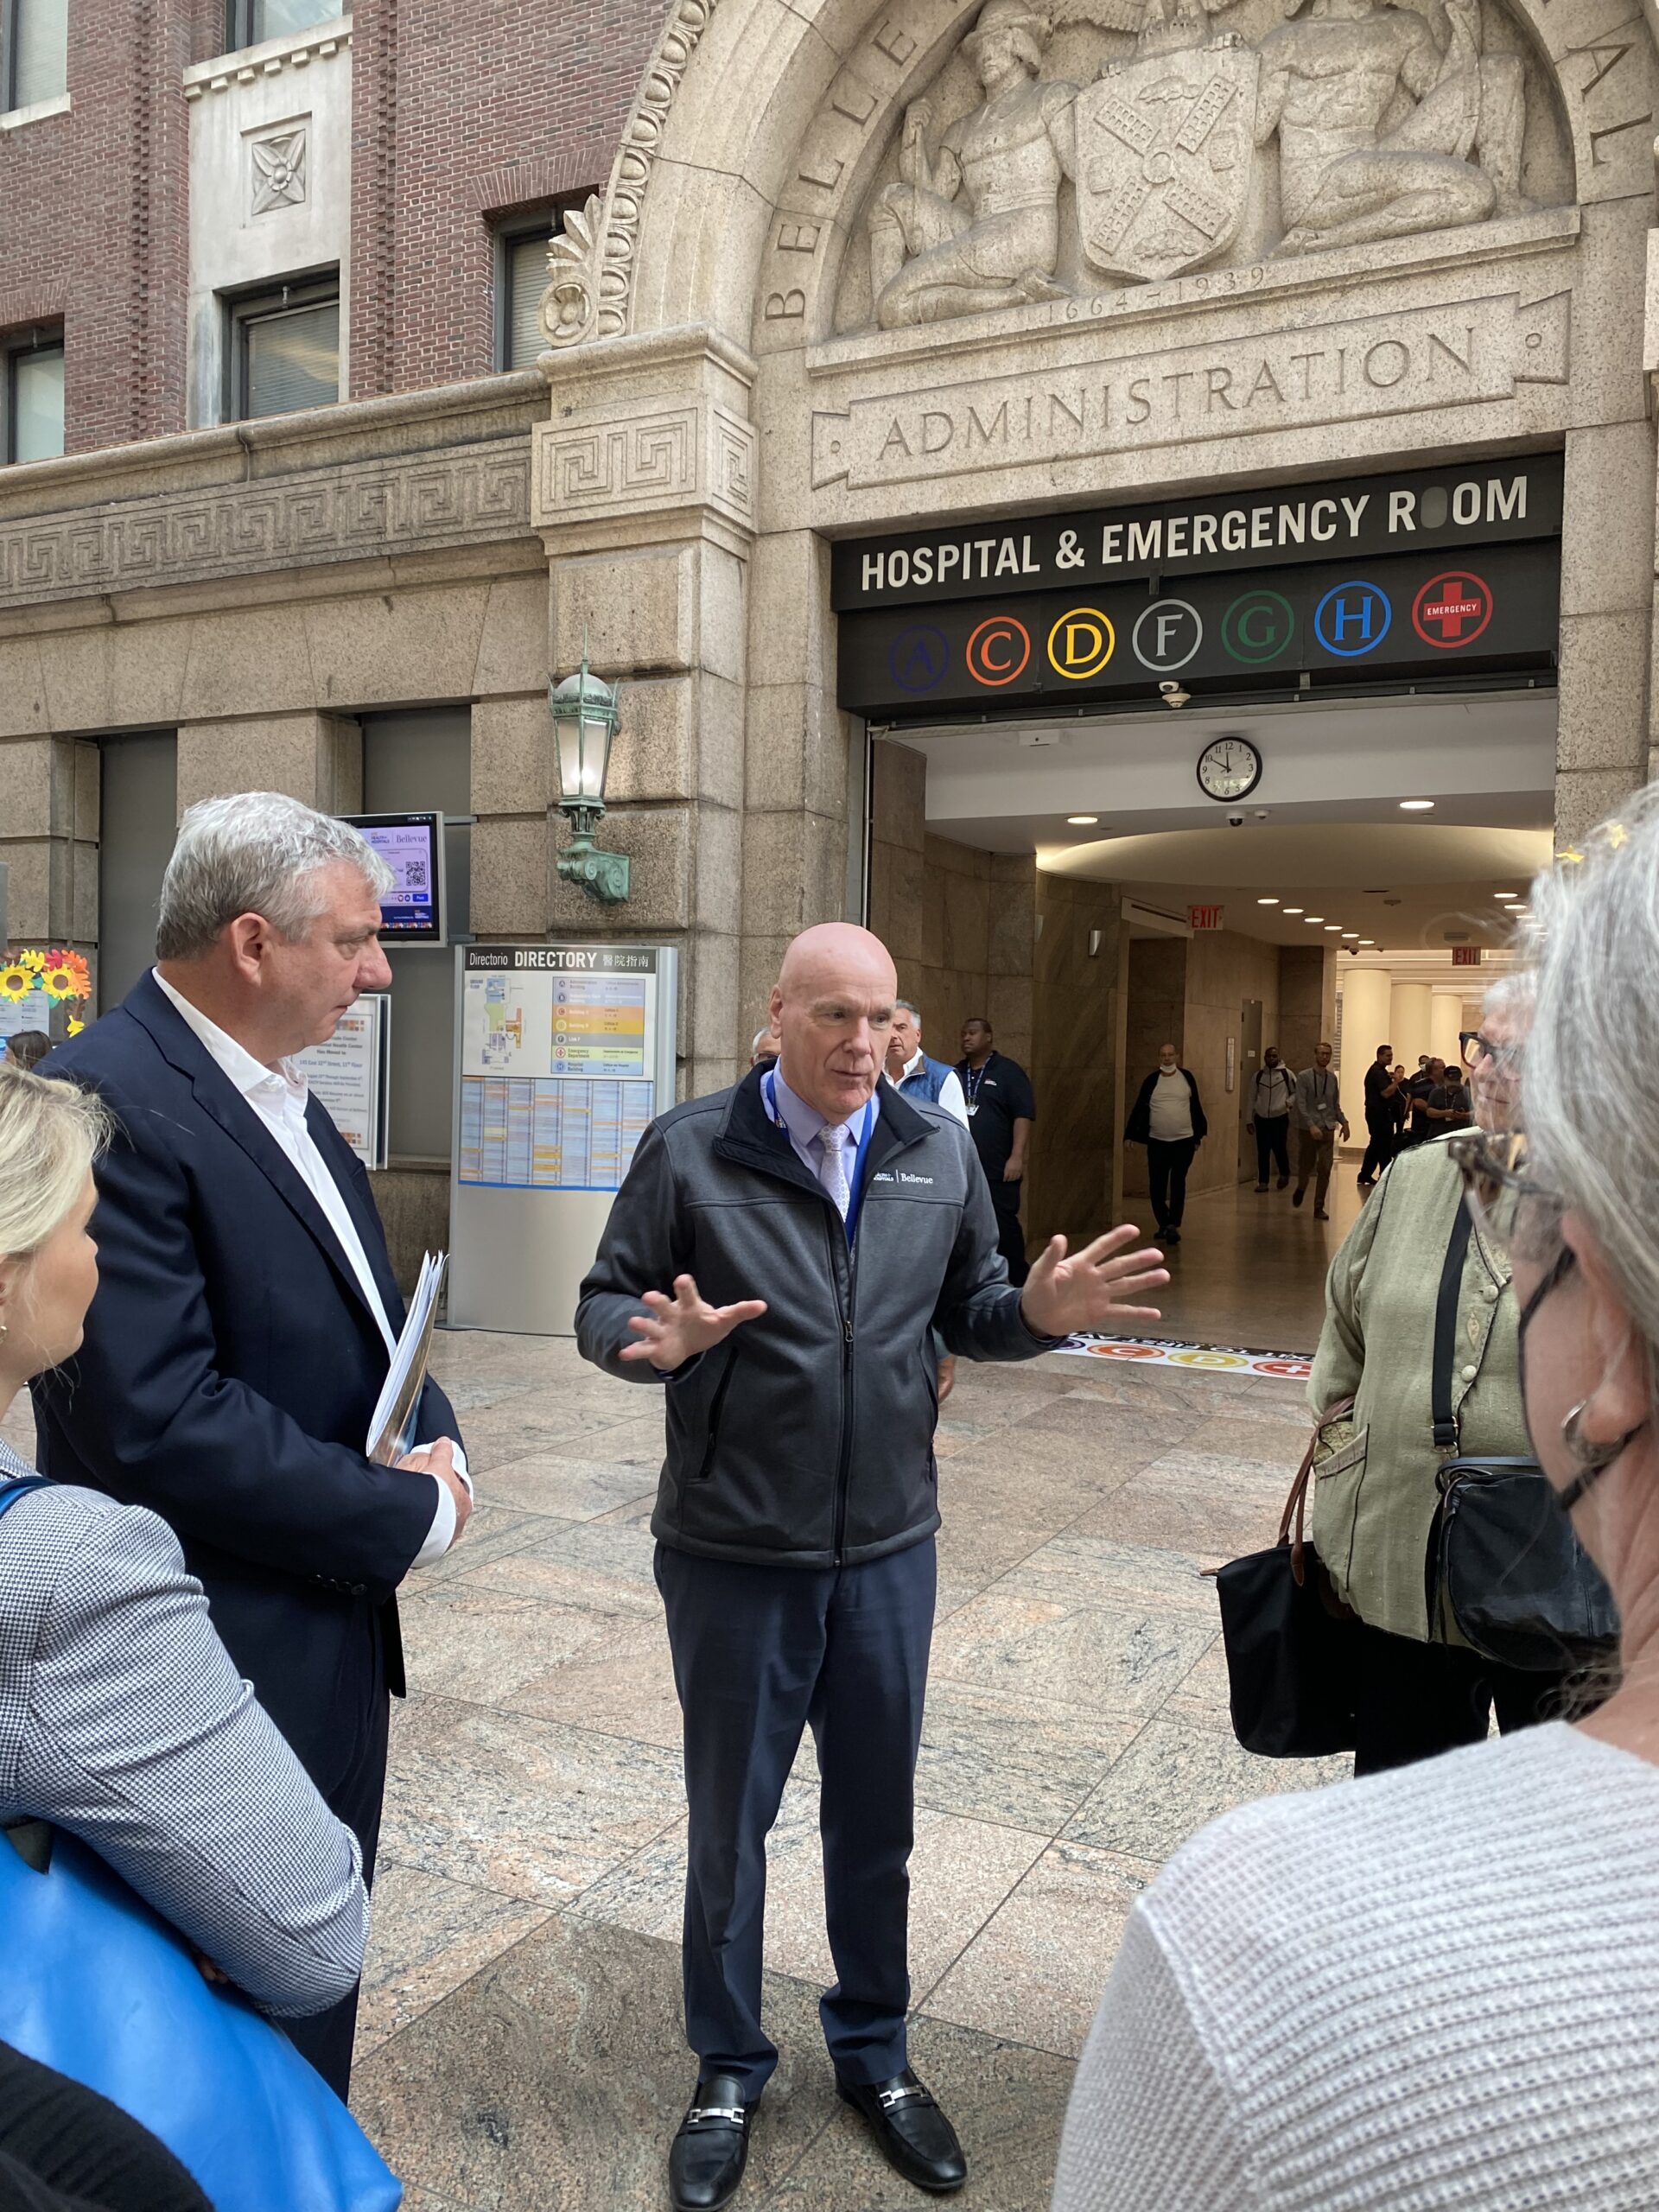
1440	1986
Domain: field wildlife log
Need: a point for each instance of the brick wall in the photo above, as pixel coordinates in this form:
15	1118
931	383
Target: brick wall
463	110
466	110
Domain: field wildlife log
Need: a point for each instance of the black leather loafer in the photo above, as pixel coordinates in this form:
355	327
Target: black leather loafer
708	2154
915	2138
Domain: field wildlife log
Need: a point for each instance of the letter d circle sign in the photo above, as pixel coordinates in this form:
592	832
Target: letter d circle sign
1080	643
1166	634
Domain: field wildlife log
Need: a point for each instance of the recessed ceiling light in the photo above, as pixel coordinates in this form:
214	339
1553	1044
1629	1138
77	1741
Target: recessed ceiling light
1351	933
1313	920
1506	894
1416	805
1331	927
1082	821
1267	902
1368	940
1295	910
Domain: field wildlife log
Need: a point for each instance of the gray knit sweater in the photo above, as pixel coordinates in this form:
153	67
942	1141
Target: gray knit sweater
1439	1987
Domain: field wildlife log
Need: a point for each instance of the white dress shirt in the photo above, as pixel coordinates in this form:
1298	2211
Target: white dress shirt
277	1095
950	1095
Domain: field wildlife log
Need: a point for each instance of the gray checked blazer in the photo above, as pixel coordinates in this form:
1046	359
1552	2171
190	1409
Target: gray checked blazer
122	1720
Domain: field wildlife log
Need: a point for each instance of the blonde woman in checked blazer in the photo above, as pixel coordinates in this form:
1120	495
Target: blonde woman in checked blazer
122	1718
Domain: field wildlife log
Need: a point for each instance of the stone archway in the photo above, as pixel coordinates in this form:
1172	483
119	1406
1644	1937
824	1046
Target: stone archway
725	400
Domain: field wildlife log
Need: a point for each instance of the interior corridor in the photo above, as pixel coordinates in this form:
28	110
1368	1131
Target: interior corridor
1250	1269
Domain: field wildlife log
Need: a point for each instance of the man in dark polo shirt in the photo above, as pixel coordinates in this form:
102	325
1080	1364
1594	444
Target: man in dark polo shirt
1001	1111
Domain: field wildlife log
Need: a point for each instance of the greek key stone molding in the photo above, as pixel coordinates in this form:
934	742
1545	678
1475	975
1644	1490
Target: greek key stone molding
592	260
464	496
694	455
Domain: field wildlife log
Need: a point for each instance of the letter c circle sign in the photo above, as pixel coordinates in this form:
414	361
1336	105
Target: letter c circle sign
1080	643
998	651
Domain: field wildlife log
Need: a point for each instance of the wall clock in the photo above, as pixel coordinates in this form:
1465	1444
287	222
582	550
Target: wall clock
1229	768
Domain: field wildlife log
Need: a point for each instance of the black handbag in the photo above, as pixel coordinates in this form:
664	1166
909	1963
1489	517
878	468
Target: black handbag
1288	1638
1503	1563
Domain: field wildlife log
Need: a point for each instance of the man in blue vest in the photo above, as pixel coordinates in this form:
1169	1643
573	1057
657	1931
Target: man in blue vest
910	1070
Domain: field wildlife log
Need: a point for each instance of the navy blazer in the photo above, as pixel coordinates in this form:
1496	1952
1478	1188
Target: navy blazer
229	1374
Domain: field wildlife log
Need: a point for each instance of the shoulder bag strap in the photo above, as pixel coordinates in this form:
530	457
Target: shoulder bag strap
11	1491
1445	1331
1296	1503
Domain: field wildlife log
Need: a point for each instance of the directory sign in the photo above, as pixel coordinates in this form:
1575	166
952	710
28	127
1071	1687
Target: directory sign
351	1075
413	911
565	1053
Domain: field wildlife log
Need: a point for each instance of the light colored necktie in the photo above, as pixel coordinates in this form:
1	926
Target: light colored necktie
832	1142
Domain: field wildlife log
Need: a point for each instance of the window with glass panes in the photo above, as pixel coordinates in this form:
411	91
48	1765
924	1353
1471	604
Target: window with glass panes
33	402
285	352
524	279
249	22
36	50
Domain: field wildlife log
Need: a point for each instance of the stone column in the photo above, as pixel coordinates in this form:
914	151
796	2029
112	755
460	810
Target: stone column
314	757
48	840
1411	1008
642	491
1605	704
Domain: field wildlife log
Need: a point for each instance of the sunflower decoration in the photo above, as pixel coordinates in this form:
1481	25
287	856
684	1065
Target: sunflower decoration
66	975
34	962
16	982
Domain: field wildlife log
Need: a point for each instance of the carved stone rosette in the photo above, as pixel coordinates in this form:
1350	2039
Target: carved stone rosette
591	261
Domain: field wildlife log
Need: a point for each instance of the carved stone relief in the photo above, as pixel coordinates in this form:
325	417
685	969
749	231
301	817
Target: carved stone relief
1065	148
277	167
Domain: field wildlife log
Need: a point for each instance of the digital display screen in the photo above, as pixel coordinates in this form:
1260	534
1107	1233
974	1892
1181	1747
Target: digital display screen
411	845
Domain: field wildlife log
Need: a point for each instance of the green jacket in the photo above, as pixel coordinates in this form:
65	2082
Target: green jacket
1374	1489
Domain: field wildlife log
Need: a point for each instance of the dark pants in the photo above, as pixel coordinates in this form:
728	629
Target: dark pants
1272	1145
1010	1236
759	1654
64	2146
1379	1149
1167	1164
327	2037
1415	1700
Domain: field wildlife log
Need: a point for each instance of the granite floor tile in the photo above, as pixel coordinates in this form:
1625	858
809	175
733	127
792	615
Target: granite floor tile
1178	1773
1203	1697
1115	1664
605	1565
537	1420
554	2080
1034	1973
531	1808
430	1934
569	1490
960	1871
493	1647
1084	1570
491	1532
1007	2103
994	1755
622	1685
1207	1509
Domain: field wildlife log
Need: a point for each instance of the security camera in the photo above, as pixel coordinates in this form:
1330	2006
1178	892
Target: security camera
1235	821
1171	694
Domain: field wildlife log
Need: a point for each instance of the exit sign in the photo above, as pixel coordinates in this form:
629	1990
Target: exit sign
1203	917
1465	956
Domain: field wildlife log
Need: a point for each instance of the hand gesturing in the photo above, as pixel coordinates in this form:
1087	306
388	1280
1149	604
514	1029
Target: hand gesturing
677	1328
1064	1295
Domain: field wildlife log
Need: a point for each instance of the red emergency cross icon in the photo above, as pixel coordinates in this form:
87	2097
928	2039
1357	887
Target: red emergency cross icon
1452	609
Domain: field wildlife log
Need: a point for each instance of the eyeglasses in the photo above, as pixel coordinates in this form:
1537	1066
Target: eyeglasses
1475	1047
1497	1180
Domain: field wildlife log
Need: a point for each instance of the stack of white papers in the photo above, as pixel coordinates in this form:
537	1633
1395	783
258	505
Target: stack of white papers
391	1433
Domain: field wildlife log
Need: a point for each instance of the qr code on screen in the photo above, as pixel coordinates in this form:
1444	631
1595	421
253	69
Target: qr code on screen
415	876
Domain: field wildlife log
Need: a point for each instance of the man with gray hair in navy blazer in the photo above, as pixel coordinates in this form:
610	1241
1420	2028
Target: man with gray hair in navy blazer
246	1309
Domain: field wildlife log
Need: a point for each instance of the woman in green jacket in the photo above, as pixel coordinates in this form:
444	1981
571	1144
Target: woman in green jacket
1421	1690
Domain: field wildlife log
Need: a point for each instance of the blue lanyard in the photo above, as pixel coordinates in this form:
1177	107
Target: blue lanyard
769	1093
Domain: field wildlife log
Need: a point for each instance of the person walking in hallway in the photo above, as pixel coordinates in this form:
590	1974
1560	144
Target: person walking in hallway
1272	1097
913	1074
1381	1092
1167	1118
246	1309
1318	1116
775	1258
1001	1111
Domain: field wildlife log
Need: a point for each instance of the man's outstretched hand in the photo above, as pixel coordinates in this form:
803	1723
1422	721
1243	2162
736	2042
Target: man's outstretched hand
678	1328
1087	1290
